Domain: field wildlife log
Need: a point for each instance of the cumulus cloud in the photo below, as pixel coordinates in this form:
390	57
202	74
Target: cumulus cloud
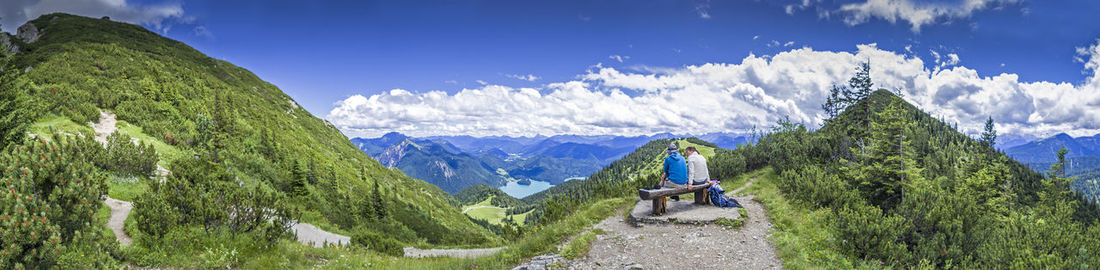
158	16
916	13
730	97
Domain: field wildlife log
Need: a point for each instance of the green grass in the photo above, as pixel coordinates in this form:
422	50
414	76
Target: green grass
800	237
543	240
707	152
580	244
126	188
485	210
51	123
166	151
740	180
101	217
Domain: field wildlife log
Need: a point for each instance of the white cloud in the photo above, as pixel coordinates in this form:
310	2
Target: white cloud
788	44
943	61
528	77
158	16
481	82
917	14
755	37
201	31
730	97
703	8
622	58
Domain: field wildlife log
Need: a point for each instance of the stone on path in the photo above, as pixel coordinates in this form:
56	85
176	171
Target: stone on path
543	262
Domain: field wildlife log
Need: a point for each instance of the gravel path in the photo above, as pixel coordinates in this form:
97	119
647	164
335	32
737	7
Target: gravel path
672	246
311	235
119	211
105	126
457	253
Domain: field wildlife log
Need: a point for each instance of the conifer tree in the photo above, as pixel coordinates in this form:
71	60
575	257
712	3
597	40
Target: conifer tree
834	103
860	87
379	203
50	195
888	161
989	136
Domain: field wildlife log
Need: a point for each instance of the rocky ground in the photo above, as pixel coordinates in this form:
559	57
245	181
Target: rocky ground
679	246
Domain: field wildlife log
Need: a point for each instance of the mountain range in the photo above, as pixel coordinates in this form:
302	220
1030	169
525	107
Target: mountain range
457	162
1083	155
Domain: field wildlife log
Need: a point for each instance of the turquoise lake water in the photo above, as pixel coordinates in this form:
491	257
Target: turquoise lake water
519	191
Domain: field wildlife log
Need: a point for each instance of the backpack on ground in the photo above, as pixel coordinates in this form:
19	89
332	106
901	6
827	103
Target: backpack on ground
718	197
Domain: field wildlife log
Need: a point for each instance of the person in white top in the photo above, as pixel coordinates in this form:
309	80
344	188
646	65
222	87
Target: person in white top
697	166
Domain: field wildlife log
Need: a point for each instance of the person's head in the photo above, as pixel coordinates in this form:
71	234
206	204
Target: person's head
690	150
672	148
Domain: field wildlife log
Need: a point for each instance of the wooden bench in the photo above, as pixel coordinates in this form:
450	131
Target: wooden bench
660	196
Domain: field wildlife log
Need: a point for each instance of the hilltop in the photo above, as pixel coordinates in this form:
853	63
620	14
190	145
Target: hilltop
213	123
885	184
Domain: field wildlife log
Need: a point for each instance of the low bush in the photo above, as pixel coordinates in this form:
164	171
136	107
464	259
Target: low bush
375	241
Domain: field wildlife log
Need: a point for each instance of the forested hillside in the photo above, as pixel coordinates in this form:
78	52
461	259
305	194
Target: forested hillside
253	146
901	188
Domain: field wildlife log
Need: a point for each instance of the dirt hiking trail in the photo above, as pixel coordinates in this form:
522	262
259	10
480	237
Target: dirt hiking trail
670	246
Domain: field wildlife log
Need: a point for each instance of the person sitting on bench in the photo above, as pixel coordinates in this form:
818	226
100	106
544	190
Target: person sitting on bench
696	166
674	173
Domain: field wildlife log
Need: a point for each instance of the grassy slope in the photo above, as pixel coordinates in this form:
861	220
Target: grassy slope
799	237
158	87
485	210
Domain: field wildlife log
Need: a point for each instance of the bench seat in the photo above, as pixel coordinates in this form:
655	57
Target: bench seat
659	196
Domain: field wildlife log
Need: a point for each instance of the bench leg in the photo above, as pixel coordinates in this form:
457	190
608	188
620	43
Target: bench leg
658	206
701	197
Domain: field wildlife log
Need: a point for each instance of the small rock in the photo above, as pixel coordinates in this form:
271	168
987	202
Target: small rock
633	266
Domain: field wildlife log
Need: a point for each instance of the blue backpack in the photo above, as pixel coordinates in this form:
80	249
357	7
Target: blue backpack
718	197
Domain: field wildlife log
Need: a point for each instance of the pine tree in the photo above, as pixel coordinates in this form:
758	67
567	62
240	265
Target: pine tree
300	181
834	103
369	210
860	85
989	136
50	195
888	161
859	88
379	203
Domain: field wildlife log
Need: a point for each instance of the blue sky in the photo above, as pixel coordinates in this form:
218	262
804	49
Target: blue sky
334	57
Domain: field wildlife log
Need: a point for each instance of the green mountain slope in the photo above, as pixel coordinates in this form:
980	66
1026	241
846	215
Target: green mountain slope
887	185
177	96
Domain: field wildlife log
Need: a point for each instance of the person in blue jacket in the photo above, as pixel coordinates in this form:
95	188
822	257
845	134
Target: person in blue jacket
674	172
